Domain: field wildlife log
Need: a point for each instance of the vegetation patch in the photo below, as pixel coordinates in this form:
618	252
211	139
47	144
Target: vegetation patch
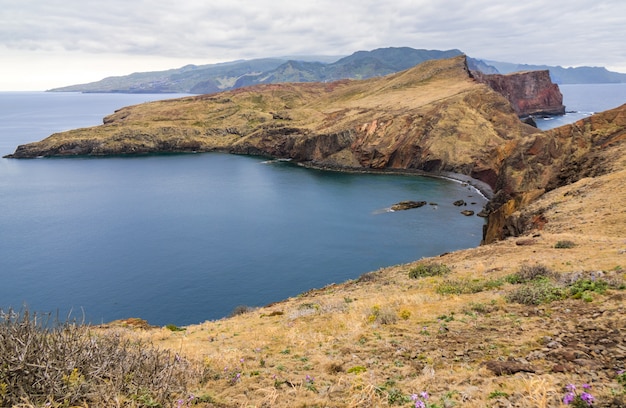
467	286
68	364
430	269
565	244
529	273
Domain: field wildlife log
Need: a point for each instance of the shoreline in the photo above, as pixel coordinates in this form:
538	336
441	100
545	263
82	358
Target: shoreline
479	186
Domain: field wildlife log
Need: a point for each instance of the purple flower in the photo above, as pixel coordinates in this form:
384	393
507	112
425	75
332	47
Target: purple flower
570	387
420	404
586	386
424	395
569	398
588	398
620	372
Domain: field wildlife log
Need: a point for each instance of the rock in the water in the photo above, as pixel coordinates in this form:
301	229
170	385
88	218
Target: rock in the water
407	205
459	203
467	212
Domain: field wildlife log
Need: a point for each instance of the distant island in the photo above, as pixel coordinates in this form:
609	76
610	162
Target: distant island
212	78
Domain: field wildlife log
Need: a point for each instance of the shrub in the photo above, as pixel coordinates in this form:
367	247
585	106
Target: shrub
431	269
44	362
536	293
466	286
565	244
382	316
239	310
529	273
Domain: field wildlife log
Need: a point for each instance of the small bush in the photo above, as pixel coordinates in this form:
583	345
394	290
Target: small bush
566	244
369	277
382	316
466	286
431	269
529	273
44	362
536	293
239	310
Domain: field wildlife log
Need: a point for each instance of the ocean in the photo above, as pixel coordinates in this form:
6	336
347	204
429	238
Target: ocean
180	239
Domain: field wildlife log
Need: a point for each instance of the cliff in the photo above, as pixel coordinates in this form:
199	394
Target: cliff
530	92
546	161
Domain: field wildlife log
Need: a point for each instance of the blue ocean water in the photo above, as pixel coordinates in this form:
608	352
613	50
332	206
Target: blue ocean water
186	238
583	100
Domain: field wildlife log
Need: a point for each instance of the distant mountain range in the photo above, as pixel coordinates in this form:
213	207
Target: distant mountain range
202	79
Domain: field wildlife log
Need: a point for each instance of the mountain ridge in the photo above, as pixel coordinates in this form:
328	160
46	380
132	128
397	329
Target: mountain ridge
211	78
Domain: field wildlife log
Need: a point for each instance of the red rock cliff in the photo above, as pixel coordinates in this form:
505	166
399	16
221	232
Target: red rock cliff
530	92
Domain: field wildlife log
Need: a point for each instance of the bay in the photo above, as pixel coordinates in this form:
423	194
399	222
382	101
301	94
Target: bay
185	238
180	239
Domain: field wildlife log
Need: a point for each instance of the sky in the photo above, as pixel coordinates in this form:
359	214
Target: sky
52	43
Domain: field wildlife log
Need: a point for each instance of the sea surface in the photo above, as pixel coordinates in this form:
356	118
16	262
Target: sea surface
180	239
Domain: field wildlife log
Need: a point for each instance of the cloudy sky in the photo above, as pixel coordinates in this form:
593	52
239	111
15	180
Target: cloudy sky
50	43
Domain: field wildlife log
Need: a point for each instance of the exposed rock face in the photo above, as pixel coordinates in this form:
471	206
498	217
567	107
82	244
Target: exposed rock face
530	92
548	160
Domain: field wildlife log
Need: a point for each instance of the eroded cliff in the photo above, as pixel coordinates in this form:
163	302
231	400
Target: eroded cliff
530	92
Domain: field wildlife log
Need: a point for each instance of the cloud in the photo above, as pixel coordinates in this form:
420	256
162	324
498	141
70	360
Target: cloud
561	32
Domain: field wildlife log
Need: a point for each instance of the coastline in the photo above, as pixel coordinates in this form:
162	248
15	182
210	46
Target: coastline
479	186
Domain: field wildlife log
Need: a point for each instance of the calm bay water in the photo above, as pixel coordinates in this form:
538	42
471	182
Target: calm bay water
186	238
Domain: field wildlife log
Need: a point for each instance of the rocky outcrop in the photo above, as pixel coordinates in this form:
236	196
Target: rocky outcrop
530	92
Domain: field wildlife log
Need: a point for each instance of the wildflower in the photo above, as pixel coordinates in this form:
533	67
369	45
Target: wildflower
585	399
569	398
420	400
588	398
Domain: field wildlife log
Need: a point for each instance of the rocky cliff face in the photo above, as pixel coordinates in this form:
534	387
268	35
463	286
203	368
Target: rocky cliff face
545	161
530	92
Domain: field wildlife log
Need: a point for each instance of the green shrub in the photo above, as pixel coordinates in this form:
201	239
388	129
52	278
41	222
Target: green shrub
431	269
565	244
174	328
466	286
581	288
536	292
529	273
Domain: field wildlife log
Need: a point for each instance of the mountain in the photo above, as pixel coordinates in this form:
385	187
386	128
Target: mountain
232	75
560	75
211	78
